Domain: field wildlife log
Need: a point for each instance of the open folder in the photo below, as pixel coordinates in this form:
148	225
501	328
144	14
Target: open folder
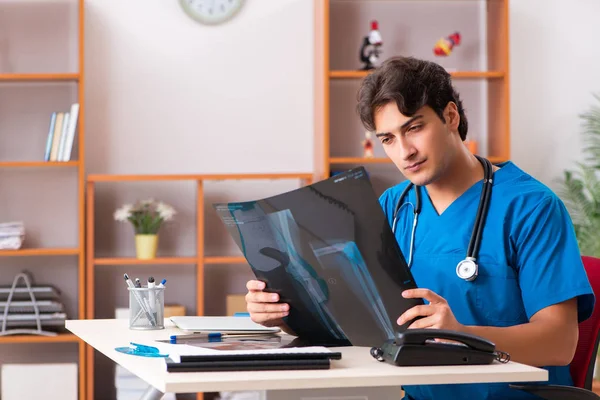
329	252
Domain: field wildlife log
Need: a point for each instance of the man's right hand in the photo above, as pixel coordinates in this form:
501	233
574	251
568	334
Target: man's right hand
263	307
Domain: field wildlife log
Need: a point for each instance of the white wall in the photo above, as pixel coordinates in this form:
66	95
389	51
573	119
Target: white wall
554	69
166	94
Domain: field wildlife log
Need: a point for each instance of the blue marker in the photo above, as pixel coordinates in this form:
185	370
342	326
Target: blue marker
212	337
162	283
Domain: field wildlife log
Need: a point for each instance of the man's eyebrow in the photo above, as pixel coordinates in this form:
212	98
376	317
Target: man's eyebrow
402	127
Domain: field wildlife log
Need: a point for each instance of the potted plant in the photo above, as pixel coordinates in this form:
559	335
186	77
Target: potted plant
580	188
146	217
580	191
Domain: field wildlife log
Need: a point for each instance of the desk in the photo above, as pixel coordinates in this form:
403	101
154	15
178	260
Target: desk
357	368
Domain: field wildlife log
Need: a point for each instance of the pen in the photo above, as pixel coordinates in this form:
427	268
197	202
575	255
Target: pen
209	336
137	283
139	300
162	283
152	295
215	336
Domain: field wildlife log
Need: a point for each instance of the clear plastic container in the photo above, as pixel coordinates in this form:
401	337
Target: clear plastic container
146	308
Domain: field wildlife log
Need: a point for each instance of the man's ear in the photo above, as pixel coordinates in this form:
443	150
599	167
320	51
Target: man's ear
452	116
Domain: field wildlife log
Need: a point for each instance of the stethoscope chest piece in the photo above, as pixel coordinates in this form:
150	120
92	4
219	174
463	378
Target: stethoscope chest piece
467	269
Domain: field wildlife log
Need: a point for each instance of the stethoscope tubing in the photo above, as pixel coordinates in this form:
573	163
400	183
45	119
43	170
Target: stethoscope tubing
482	209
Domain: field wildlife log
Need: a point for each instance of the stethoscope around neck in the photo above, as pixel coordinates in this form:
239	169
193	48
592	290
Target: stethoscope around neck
466	269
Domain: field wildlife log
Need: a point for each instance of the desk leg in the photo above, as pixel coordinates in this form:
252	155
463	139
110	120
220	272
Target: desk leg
152	393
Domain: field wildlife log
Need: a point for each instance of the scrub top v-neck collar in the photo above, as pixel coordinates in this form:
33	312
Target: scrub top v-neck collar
464	199
457	205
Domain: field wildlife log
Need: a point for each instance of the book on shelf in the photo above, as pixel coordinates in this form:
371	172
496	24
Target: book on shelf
61	134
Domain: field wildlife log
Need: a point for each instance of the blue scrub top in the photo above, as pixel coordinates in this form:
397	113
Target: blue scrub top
528	259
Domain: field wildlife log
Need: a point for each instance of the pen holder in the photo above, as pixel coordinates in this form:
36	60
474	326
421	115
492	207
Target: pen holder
146	308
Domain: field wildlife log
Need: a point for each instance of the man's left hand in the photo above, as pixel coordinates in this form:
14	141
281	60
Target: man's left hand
437	314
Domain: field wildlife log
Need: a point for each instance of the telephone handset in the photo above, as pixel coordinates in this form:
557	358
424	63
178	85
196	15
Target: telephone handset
419	347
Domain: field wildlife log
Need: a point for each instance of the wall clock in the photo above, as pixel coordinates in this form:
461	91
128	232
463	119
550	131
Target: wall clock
211	12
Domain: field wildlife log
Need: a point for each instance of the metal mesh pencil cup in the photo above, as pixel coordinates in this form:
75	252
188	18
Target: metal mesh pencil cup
146	308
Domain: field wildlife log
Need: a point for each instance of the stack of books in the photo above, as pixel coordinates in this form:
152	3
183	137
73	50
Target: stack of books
61	134
12	235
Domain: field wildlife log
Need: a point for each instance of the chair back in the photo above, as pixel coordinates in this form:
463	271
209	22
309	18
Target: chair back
582	366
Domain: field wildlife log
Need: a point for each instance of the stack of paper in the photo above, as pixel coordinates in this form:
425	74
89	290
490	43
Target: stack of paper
12	235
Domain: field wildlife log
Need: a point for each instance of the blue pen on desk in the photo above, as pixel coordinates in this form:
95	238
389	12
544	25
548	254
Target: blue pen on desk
212	336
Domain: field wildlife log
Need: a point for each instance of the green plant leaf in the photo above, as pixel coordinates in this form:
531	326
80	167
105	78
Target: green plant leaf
580	188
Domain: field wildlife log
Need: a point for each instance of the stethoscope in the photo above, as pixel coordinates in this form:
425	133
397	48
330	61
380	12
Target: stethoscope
466	269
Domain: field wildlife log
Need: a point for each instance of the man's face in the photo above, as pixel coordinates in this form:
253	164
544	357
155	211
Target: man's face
421	146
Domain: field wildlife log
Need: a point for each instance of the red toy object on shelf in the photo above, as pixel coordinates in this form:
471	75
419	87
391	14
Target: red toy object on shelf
367	145
444	46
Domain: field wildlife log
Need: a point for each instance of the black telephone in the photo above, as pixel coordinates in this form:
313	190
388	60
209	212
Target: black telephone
418	347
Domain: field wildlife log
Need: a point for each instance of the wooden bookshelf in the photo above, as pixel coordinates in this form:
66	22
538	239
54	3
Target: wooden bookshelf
27	79
337	73
225	260
350	74
38	164
41	252
135	261
199	260
60	338
75	77
359	160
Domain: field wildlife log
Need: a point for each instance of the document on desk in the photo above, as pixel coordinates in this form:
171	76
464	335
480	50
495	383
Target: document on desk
328	250
177	351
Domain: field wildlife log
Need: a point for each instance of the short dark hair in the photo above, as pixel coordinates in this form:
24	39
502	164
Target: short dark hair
410	83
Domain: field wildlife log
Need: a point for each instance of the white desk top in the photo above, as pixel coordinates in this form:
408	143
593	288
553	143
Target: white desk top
357	368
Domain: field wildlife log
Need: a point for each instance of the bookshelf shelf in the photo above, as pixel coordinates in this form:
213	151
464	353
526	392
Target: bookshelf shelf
135	261
358	74
60	338
73	77
384	160
359	160
41	252
225	260
38	164
208	177
497	160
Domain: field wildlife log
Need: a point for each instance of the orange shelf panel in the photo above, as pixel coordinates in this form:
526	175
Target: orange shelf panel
496	160
39	77
359	160
41	252
135	261
42	164
60	338
225	260
383	160
192	177
350	74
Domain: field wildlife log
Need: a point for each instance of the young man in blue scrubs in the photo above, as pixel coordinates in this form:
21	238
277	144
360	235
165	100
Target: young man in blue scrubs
531	290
